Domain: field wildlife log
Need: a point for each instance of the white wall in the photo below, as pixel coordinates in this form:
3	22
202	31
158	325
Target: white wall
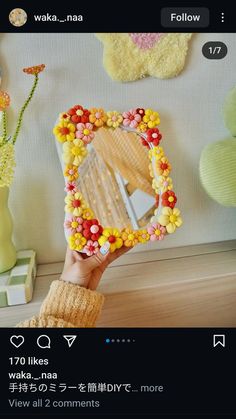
190	108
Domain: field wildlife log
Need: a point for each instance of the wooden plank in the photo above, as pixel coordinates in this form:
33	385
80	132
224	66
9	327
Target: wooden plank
208	303
145	274
49	269
192	290
164	272
203	303
173	252
152	255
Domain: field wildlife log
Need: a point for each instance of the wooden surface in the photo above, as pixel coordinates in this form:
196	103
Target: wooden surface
188	286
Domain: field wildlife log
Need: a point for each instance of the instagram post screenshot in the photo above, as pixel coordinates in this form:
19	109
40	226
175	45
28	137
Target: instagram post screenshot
117	210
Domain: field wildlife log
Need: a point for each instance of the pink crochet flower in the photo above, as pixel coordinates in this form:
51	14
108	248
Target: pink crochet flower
131	118
73	224
156	231
70	187
91	248
145	40
85	132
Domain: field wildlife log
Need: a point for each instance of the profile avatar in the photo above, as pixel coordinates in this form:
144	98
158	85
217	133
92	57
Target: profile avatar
18	17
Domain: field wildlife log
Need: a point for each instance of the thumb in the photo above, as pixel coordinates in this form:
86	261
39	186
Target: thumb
96	260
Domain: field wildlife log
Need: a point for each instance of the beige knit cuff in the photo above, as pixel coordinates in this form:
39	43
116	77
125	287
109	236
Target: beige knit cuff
44	322
72	303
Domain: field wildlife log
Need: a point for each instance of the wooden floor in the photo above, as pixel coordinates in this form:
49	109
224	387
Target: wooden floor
188	286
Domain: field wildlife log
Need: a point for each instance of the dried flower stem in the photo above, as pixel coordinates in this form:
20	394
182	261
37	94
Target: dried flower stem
19	121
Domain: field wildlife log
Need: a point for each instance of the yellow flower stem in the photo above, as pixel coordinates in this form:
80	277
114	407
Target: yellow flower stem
4	126
20	118
2	169
6	167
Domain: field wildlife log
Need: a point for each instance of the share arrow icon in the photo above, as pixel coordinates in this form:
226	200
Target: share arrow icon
70	339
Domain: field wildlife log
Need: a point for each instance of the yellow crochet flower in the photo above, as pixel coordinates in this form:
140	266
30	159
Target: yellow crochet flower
162	184
64	116
77	242
151	118
150	170
74	152
113	236
143	236
170	219
7	164
142	127
129	237
75	204
88	214
156	152
71	172
132	56
97	117
64	131
155	186
114	119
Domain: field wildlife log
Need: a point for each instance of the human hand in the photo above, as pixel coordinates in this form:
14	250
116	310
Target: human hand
87	271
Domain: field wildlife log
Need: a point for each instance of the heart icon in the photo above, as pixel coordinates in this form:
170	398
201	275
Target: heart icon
17	341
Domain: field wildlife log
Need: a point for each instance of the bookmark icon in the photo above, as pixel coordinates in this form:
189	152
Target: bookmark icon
218	340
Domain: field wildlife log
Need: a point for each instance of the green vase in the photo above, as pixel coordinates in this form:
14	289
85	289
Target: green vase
7	248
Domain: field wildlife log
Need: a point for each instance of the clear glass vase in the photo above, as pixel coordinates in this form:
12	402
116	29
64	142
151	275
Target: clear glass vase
7	248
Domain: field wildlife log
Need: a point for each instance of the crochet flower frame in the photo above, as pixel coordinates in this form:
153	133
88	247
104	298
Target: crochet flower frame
76	128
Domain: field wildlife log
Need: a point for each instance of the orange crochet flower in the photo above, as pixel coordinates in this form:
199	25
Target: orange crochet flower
97	117
35	69
129	237
163	166
4	100
71	172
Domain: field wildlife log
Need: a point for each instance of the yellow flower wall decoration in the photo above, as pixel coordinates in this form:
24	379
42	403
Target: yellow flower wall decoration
131	56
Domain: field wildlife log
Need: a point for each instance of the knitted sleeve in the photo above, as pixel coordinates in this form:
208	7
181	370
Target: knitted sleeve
67	305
